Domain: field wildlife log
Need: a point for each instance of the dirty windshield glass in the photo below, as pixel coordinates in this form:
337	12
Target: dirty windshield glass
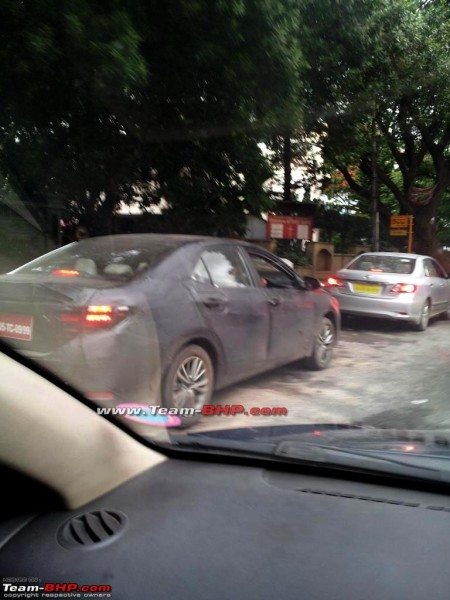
226	224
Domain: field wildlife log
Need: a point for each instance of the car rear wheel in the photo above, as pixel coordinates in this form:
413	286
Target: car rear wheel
424	318
324	344
189	383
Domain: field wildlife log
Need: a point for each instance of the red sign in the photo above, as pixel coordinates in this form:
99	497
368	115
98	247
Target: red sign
16	327
289	228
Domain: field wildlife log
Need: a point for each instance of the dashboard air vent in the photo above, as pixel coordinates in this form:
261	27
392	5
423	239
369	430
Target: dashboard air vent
92	529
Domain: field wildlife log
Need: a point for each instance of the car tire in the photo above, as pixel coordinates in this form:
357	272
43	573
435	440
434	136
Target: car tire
424	318
188	382
324	343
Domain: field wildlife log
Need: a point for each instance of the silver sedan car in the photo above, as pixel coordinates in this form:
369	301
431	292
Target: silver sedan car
404	287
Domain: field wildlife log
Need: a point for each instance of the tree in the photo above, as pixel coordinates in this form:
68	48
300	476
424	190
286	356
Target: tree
56	64
389	61
143	101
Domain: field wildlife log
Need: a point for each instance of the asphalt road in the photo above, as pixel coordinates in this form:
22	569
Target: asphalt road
383	375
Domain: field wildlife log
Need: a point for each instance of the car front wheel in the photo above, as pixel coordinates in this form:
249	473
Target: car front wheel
324	344
189	383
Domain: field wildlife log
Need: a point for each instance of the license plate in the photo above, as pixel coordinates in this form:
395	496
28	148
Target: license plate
16	327
367	288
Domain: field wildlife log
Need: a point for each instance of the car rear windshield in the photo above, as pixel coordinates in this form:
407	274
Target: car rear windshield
383	264
99	258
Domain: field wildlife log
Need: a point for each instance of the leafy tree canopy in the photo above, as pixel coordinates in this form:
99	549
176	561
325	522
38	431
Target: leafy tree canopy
388	60
103	103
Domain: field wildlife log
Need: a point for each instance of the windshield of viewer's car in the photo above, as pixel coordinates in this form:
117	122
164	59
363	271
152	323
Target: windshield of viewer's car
227	223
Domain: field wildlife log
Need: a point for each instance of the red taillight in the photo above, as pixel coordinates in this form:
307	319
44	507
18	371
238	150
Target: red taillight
333	281
65	273
95	316
99	316
403	288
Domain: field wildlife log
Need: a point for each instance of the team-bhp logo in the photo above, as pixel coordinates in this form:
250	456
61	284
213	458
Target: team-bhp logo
170	417
50	589
209	410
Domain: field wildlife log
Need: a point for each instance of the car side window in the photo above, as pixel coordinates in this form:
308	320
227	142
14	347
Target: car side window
270	274
200	273
430	269
226	268
439	270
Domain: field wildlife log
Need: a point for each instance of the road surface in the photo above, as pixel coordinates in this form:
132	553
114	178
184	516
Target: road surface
383	375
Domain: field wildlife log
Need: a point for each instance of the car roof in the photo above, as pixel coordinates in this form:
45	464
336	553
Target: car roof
176	239
394	254
171	239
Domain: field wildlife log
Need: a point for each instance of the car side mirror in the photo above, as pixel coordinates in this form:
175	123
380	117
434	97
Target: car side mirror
312	283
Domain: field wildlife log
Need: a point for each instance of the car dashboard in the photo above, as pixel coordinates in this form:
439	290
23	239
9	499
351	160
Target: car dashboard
191	529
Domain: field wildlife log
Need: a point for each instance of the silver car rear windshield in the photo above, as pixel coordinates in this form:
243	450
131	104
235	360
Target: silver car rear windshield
98	258
383	264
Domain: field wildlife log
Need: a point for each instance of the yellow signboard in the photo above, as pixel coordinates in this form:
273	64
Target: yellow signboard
402	226
400	221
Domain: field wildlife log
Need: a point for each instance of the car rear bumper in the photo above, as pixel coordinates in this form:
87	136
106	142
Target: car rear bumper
401	308
114	365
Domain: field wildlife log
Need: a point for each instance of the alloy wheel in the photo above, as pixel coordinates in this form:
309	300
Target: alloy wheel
325	342
191	384
425	315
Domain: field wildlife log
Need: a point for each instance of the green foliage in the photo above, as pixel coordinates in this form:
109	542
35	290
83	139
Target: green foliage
103	103
108	103
388	60
292	250
343	227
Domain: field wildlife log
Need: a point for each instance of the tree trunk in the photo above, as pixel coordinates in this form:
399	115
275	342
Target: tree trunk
425	241
425	233
287	157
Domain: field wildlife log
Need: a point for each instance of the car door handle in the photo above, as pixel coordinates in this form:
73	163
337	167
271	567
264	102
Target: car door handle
214	302
273	301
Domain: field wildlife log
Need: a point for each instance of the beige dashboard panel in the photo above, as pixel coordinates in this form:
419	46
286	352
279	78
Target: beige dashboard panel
51	436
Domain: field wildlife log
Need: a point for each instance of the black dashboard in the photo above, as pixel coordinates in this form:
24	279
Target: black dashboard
198	530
